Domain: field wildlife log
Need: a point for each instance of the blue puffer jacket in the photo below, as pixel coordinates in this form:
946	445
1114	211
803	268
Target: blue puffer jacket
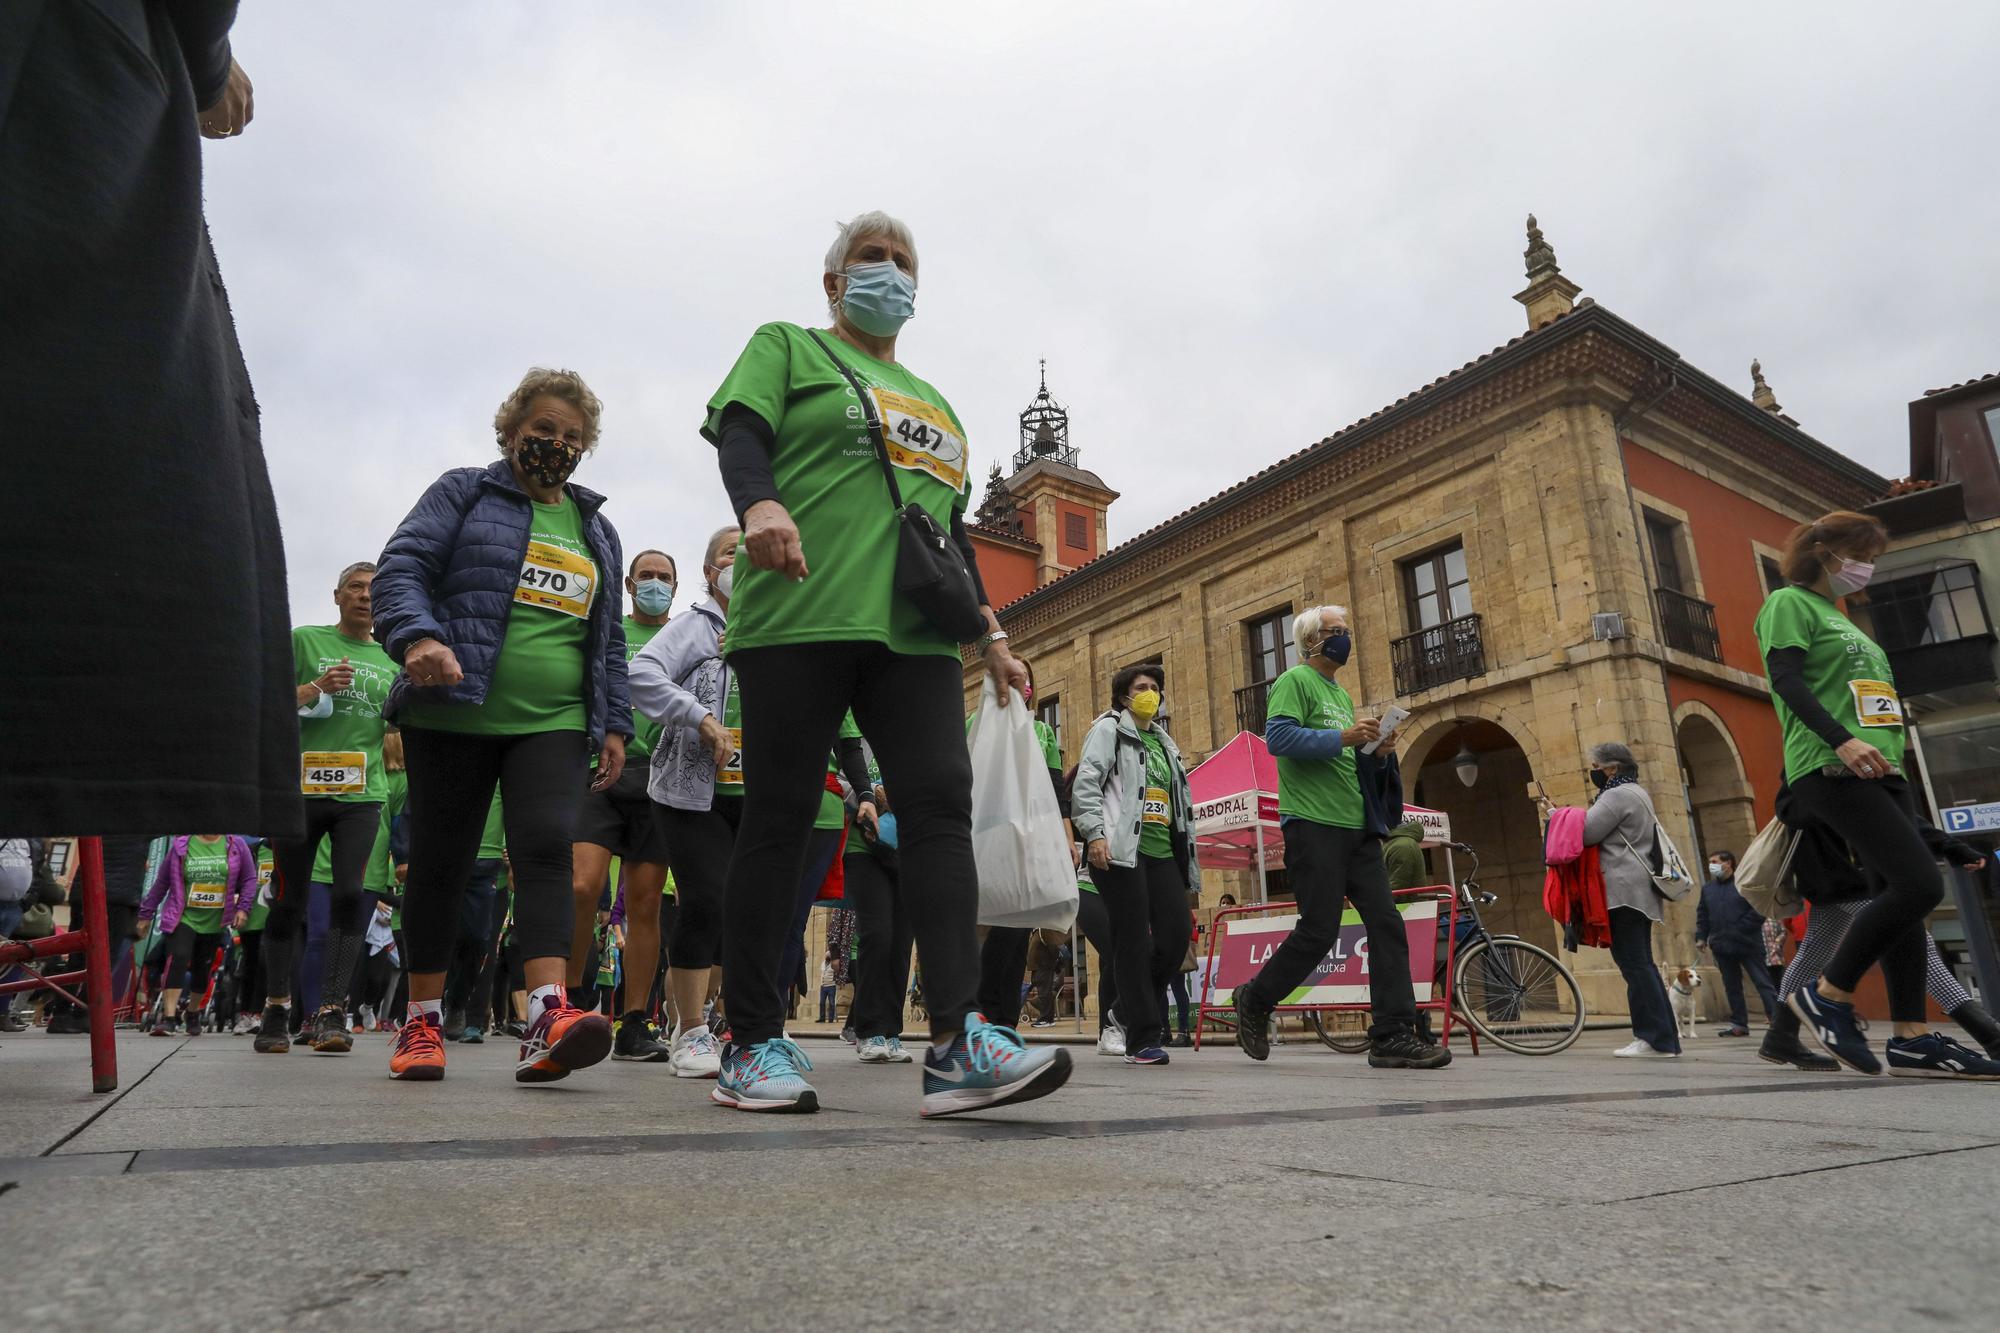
449	572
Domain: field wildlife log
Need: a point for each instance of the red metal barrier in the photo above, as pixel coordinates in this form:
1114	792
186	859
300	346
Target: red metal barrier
1441	992
94	940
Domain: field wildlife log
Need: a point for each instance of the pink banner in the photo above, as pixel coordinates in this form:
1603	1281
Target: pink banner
1245	944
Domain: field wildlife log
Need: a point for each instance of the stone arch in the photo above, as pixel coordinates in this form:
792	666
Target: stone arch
1720	800
1496	816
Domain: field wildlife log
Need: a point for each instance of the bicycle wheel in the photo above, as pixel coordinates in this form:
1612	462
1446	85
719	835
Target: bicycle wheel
1519	997
1343	1030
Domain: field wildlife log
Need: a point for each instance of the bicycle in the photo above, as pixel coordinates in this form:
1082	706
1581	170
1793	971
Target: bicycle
1517	995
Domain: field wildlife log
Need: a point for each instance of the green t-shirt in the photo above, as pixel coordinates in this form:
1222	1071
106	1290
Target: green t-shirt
266	862
380	876
538	677
1051	752
205	870
823	460
341	753
1326	792
493	839
645	731
1156	818
729	778
1846	672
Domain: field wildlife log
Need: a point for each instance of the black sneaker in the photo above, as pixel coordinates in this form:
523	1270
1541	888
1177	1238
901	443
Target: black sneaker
454	1024
273	1035
1404	1049
329	1031
633	1039
193	1021
1835	1027
68	1022
1253	1026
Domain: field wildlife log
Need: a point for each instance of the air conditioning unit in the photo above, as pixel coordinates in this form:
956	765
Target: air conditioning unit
1607	625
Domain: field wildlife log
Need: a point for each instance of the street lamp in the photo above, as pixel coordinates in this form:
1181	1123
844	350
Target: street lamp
1466	763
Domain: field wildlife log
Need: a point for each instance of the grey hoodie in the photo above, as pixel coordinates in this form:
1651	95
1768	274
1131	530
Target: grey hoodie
1108	799
677	680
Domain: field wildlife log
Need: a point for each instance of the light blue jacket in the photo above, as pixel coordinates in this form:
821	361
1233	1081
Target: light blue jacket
1108	800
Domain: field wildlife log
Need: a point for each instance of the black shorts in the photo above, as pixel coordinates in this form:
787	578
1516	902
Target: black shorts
622	818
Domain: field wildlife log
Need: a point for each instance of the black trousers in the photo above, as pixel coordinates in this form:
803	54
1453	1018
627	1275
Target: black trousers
911	708
1878	818
1328	868
352	826
1733	967
1003	958
1150	926
1645	993
820	851
882	964
1094	923
189	954
542	777
699	845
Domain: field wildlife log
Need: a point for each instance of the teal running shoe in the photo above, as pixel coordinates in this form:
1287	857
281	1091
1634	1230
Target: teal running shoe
765	1077
990	1066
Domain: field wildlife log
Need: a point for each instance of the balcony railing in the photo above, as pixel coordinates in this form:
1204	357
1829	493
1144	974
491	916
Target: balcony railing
1250	706
1438	655
1688	623
1931	668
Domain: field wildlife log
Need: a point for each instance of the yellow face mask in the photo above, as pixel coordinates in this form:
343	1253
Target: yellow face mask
1145	704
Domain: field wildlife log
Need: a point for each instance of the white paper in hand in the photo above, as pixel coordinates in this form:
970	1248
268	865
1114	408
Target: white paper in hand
1018	843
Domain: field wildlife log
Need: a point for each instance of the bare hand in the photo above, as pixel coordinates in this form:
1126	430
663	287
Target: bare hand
1862	759
1365	732
335	678
232	111
1008	671
865	814
773	539
1099	854
716	737
610	762
140	931
429	662
236	921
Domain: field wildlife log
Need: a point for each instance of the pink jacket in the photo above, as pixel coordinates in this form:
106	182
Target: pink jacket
168	896
1564	843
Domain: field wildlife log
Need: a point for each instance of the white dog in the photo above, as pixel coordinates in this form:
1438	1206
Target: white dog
1682	984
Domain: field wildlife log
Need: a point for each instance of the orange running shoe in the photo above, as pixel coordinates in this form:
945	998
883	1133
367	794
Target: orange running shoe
418	1055
562	1039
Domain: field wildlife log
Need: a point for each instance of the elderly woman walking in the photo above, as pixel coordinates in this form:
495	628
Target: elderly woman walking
832	451
492	595
1620	824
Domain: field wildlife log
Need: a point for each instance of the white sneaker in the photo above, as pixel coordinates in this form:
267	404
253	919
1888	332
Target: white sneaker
1111	1041
897	1055
368	1023
695	1054
1645	1050
874	1051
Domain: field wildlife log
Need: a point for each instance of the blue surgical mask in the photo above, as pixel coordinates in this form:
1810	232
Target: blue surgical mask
1336	646
653	596
879	298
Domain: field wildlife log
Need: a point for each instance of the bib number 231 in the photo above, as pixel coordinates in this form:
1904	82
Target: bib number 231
1876	703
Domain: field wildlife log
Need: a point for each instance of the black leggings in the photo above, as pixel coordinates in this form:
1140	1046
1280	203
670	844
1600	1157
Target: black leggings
542	777
352	825
1150	925
1329	867
882	969
250	973
1094	922
1878	818
1003	958
699	845
911	708
189	954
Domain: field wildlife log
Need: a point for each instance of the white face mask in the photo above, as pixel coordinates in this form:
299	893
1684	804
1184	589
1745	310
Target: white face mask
1715	870
1851	576
725	581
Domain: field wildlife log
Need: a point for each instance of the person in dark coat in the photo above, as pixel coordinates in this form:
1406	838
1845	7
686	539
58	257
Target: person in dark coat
1733	932
148	681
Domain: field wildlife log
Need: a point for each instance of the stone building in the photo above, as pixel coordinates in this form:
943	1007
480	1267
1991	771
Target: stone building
1565	540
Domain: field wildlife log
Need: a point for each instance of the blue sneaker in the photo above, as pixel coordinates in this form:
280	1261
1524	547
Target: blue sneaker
473	1036
1935	1055
1835	1028
990	1066
765	1077
1151	1055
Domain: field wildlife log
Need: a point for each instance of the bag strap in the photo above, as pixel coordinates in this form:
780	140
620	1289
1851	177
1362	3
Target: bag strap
875	431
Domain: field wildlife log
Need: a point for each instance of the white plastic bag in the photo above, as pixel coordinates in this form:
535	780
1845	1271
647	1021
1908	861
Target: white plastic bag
1026	877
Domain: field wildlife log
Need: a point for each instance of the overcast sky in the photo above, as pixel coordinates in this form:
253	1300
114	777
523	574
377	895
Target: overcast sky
1231	229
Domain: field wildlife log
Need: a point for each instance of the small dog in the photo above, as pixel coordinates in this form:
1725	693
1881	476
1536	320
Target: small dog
1682	984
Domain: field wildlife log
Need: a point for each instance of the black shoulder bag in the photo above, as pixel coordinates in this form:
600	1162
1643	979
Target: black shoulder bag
930	571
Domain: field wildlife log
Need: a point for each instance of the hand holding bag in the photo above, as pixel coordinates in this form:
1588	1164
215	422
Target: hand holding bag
1026	877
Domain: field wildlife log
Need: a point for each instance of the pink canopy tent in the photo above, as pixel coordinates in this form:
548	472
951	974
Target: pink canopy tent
1235	794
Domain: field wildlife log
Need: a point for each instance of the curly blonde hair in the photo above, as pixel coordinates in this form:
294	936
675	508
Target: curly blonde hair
564	384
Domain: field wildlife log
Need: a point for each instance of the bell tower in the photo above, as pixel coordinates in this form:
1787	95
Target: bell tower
1054	503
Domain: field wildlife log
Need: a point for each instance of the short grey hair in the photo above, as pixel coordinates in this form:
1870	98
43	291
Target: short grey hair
1611	752
872	223
715	542
1306	627
358	567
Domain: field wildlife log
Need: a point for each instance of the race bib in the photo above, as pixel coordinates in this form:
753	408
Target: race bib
206	895
557	580
921	437
731	773
333	772
1876	703
1157	810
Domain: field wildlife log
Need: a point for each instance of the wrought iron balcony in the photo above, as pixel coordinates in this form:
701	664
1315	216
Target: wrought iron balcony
1250	706
1439	655
1688	623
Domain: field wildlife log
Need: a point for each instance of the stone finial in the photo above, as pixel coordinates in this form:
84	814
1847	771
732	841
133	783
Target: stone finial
1549	295
1541	256
1760	392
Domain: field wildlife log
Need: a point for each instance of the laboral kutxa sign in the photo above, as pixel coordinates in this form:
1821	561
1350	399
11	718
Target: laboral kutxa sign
1239	810
1244	944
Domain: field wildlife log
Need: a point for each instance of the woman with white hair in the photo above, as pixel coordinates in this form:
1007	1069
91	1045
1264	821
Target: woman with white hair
1620	825
832	451
1333	849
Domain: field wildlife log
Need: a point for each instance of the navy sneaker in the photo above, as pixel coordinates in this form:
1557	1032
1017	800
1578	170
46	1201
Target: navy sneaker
1151	1055
990	1066
1935	1055
1835	1028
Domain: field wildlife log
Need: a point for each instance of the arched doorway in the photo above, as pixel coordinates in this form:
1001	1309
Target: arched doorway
1494	815
1719	799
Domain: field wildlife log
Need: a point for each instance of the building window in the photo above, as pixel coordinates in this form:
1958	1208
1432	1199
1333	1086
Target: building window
1076	531
1774	576
1664	535
1048	709
1272	654
1437	588
1992	415
1937	606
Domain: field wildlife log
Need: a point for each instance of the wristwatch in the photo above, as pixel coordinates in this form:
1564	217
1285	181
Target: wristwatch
986	641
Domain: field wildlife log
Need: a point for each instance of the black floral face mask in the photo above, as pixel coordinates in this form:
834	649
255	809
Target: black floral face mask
548	461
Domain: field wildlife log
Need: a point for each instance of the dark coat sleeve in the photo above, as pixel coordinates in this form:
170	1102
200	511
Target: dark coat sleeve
414	562
201	28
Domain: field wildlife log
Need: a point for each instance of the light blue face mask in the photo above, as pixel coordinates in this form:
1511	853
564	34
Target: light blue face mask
879	298
653	596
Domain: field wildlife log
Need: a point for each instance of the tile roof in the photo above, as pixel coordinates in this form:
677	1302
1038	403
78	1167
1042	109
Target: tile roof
1971	383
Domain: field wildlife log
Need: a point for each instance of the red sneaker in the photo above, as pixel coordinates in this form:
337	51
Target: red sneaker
562	1039
418	1055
